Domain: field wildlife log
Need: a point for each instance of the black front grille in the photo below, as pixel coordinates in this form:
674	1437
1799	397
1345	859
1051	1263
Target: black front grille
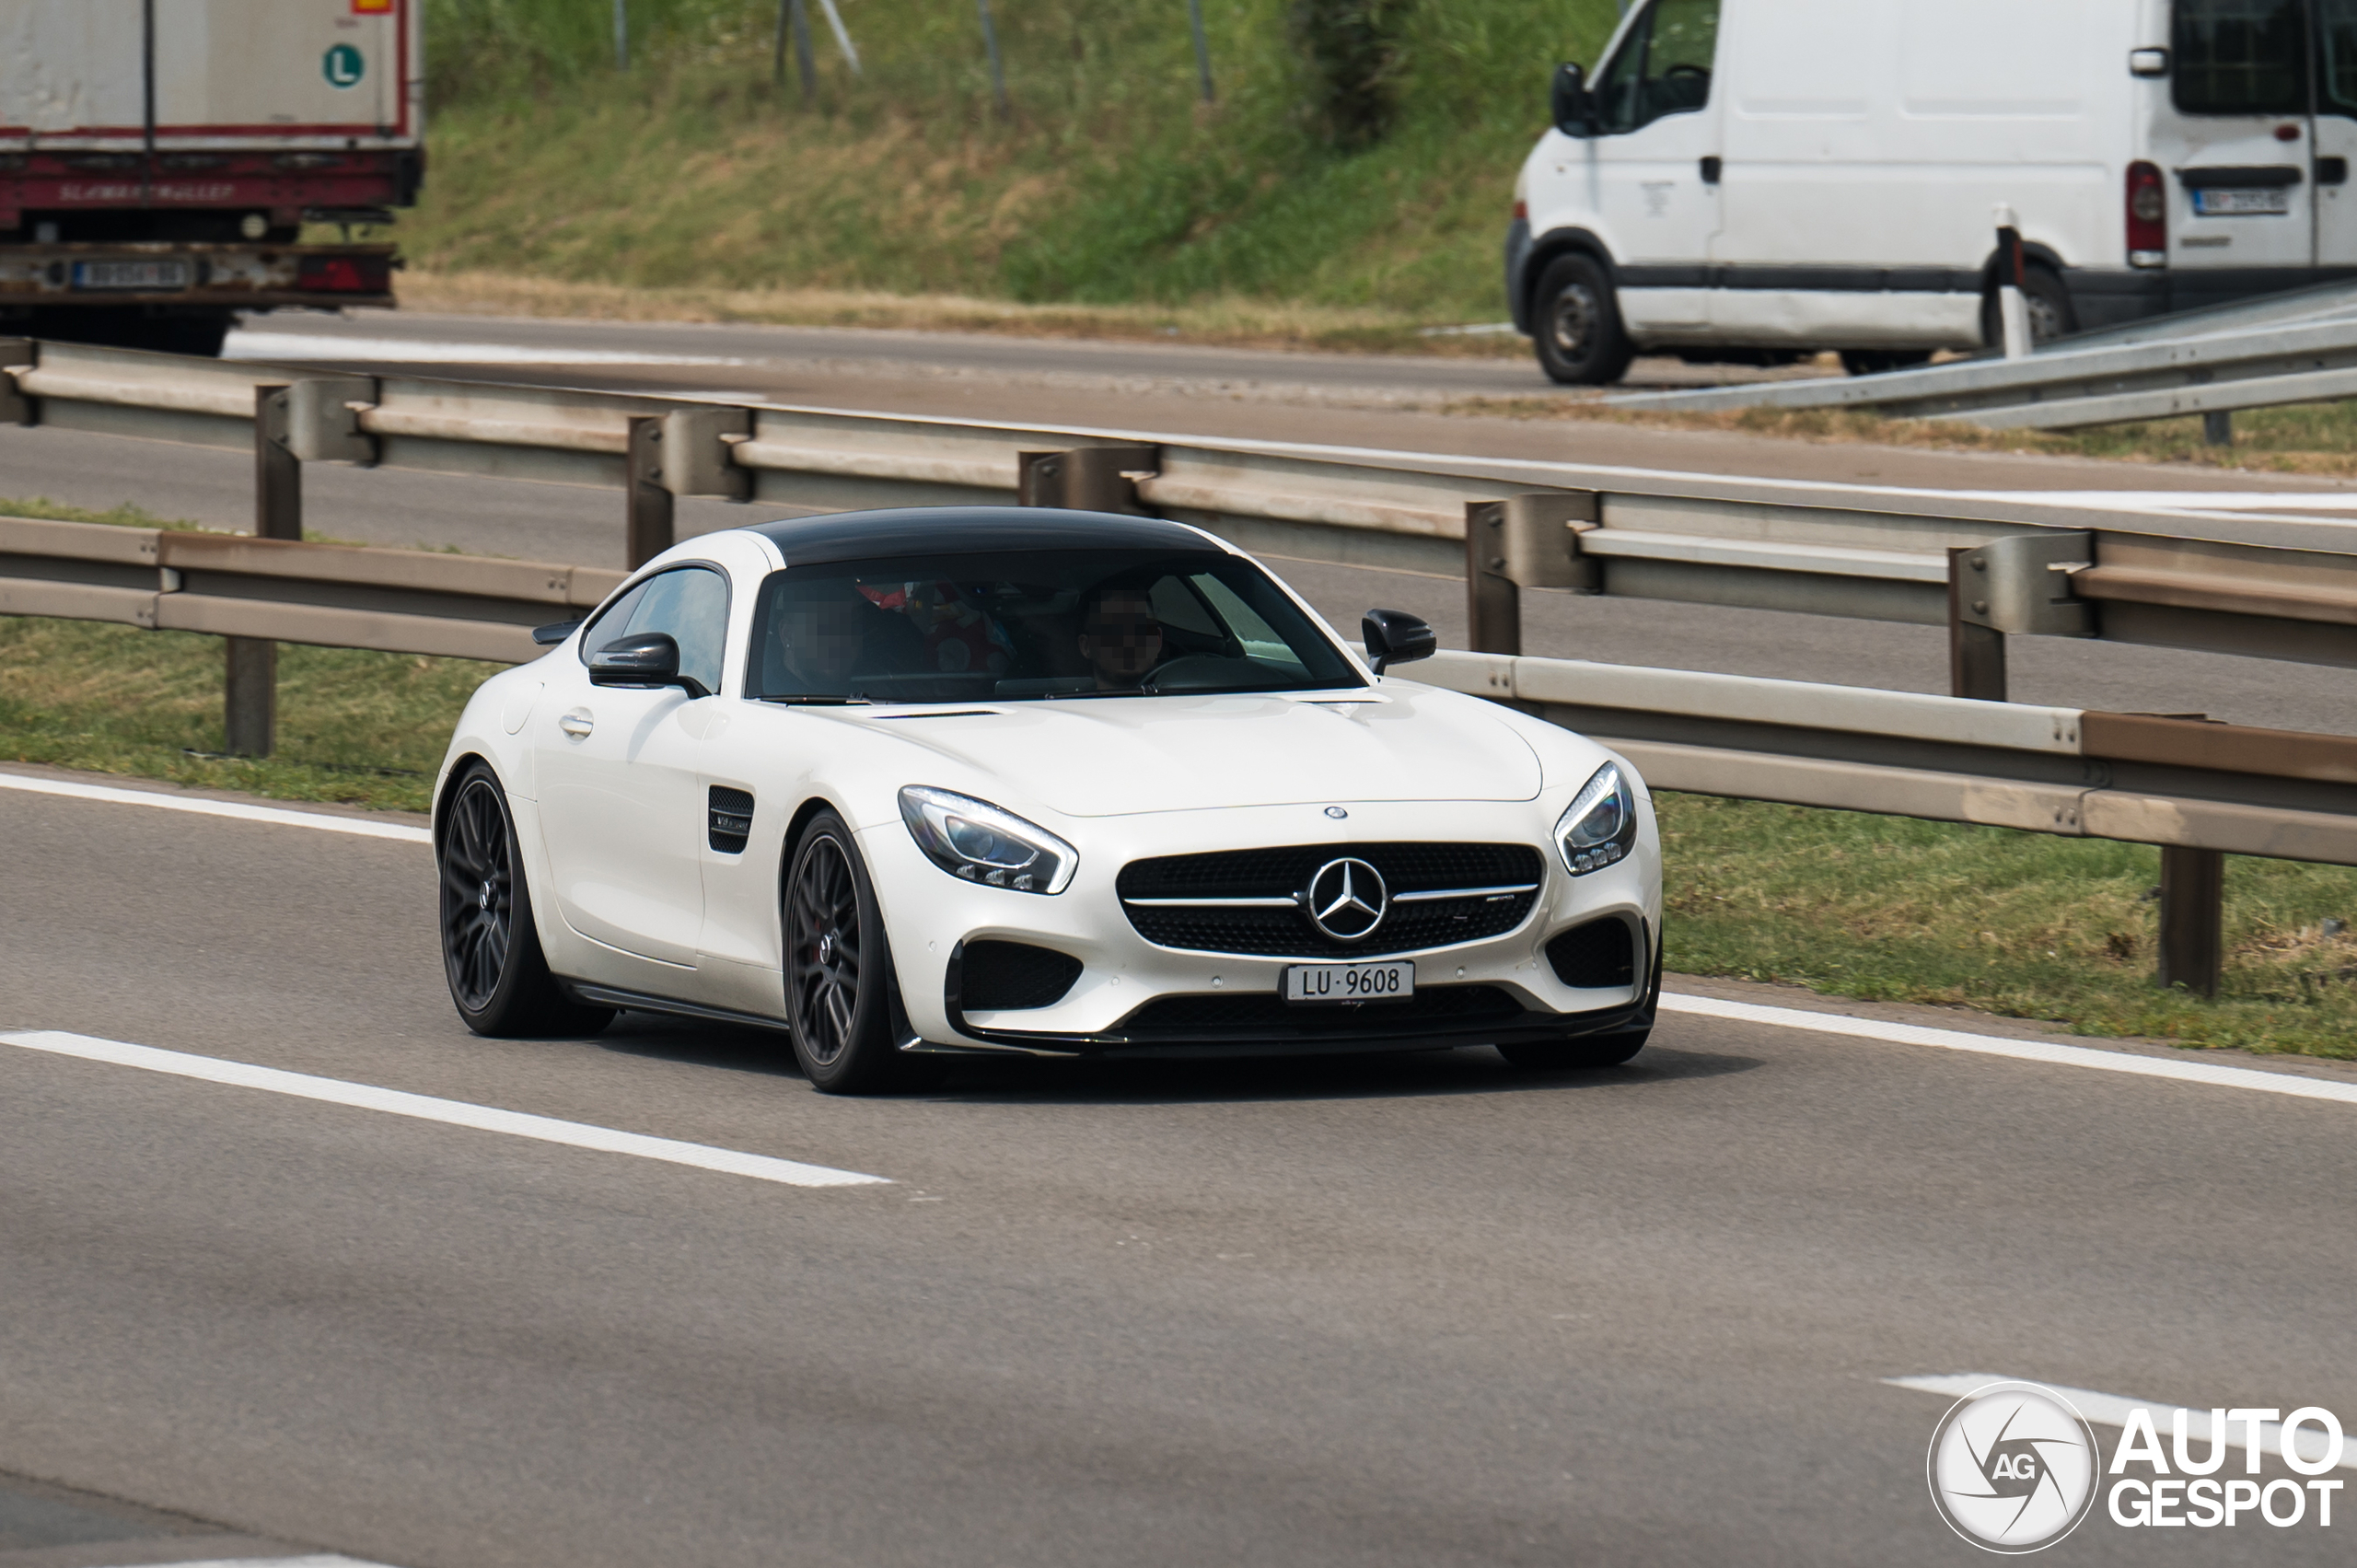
1283	872
1003	976
1595	955
1265	1016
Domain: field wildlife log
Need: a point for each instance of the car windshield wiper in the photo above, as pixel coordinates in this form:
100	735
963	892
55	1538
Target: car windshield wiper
807	700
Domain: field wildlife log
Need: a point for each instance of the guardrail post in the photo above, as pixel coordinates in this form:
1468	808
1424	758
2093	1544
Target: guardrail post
250	689
2218	427
1523	541
16	353
1492	602
2193	918
1975	650
1085	479
649	511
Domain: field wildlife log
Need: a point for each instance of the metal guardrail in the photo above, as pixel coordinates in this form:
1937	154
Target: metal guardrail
2269	586
233	585
2259	354
2198	791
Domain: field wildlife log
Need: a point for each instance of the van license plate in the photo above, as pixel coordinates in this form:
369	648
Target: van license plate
2215	201
1350	983
131	275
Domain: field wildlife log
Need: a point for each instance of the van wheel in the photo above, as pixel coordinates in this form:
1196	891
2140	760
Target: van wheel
1576	324
2050	315
1875	361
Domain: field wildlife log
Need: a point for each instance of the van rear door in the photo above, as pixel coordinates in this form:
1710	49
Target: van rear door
2234	148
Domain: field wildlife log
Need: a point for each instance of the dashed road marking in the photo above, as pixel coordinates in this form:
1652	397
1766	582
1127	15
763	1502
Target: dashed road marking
429	1108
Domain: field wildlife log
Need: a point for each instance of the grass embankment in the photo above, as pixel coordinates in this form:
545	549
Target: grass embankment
1879	908
1104	182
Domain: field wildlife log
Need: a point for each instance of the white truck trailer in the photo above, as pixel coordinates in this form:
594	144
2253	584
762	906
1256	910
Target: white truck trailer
159	159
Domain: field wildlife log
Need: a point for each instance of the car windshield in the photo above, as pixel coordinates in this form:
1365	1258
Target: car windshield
1034	625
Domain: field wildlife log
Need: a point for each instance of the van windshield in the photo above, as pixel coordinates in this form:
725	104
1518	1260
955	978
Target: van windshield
2242	57
1034	625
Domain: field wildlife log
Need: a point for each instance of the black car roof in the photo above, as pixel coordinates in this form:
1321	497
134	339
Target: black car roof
924	531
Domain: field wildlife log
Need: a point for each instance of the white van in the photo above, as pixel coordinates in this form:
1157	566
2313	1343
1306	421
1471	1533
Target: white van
1751	180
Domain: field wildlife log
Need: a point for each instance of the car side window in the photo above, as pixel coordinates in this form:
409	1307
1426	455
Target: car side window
1662	66
2242	57
2337	64
688	603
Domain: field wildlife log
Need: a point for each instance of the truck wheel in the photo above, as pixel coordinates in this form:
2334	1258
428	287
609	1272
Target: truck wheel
1875	361
2050	315
1576	325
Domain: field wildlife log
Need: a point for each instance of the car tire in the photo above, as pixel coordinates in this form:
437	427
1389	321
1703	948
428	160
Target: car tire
839	985
490	950
1575	324
2050	315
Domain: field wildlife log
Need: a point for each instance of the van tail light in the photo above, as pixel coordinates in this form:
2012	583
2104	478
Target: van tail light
2148	216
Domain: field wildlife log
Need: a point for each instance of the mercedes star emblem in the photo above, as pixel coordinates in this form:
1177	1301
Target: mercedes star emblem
1346	899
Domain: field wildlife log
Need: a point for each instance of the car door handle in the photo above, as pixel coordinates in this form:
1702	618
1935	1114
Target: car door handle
577	724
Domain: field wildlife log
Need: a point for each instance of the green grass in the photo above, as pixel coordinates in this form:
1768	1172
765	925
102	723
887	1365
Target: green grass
1107	183
360	728
2020	925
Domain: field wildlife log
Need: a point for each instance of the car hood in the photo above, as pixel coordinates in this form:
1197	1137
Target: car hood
1110	757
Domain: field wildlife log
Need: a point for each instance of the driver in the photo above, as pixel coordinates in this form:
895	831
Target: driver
1120	637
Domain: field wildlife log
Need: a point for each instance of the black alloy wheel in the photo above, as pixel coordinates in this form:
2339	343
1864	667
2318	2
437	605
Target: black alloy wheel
491	952
1575	321
839	978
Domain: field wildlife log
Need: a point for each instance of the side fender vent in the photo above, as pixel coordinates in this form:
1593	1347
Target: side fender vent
731	820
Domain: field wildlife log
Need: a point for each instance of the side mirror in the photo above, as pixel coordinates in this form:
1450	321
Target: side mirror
1571	105
651	658
1394	636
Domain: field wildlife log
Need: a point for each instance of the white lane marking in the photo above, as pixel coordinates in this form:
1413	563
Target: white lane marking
400	833
2112	1410
428	1108
266	347
2020	1049
314	1560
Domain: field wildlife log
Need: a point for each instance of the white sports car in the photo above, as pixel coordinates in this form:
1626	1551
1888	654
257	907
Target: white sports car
995	780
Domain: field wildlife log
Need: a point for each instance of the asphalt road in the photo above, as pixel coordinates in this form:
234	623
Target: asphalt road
1413	1310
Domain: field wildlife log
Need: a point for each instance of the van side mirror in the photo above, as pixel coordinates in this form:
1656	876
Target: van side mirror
1570	103
1394	636
651	658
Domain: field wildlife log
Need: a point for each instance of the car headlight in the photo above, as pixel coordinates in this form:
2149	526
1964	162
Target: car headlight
1601	824
975	840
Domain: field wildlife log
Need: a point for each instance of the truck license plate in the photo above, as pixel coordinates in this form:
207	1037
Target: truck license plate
1350	983
2233	203
131	275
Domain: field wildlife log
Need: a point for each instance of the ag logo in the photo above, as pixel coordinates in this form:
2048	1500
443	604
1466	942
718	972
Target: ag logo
342	66
2014	1467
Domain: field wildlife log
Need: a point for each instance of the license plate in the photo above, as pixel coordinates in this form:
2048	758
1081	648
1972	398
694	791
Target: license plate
1350	983
2233	203
131	275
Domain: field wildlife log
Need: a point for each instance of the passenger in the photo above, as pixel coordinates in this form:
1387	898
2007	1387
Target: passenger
1120	637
